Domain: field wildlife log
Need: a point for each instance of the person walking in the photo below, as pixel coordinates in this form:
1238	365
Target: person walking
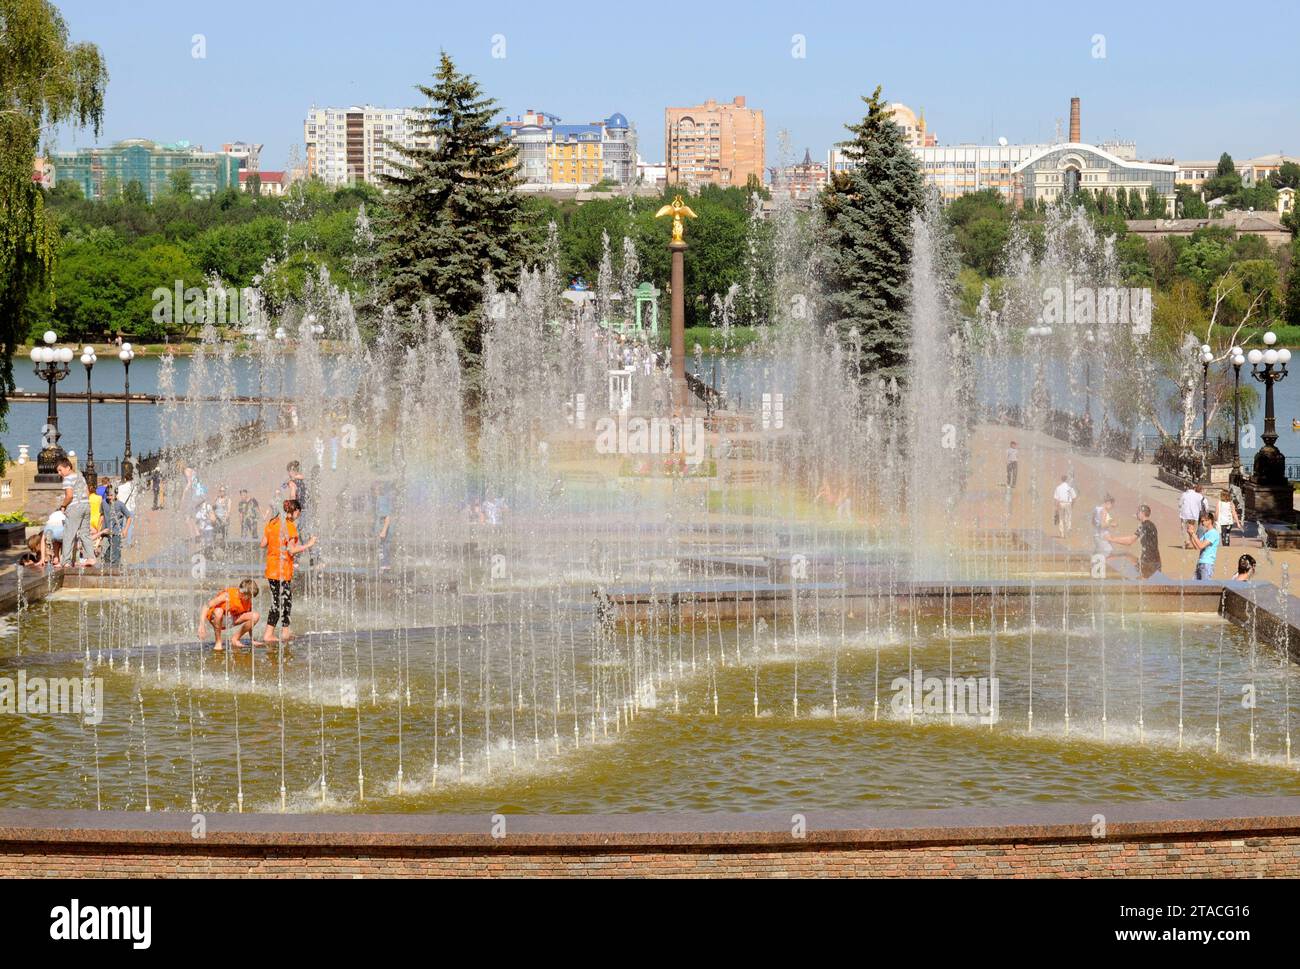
1013	464
1227	517
1190	505
1208	544
76	505
280	539
1065	496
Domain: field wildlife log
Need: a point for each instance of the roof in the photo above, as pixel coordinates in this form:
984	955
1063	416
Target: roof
264	177
616	120
577	131
1080	146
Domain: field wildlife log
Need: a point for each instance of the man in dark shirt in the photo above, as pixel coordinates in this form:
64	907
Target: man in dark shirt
1147	540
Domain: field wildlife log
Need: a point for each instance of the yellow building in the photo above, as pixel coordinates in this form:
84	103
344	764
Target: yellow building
575	157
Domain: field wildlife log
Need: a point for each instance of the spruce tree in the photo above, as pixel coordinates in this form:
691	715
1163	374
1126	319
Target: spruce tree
868	214
452	216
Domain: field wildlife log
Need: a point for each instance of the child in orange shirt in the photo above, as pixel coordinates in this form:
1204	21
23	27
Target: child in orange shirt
233	606
280	539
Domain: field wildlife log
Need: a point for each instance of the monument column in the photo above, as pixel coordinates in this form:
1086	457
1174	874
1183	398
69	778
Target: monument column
678	342
677	249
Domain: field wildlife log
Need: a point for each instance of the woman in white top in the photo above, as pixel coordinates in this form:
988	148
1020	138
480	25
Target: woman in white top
1226	517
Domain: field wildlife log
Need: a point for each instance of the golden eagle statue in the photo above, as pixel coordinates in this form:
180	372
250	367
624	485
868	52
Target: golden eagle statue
677	210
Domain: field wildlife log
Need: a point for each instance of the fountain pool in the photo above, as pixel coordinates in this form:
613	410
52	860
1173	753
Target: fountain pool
549	712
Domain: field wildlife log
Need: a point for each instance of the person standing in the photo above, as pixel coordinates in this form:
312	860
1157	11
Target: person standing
155	486
1102	522
384	522
280	539
249	513
221	508
1013	464
1208	543
1065	496
1227	517
117	526
76	505
1190	505
126	494
1148	541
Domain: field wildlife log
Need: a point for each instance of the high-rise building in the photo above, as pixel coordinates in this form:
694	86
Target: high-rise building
348	145
250	156
578	155
718	144
104	171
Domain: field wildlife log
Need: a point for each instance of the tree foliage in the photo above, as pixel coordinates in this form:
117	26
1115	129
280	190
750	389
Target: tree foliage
45	80
868	234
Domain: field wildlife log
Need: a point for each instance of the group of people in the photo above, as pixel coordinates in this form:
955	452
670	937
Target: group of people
285	536
1205	528
90	524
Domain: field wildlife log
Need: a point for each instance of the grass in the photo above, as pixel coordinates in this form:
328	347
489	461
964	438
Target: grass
710	338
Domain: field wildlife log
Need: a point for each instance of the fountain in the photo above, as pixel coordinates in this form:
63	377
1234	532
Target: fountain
832	599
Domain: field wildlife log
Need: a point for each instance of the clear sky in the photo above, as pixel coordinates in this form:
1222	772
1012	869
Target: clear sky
1187	79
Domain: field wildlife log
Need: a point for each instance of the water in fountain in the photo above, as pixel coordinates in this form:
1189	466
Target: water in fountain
542	600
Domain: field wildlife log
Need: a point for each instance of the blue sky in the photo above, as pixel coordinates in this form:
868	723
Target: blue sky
1189	80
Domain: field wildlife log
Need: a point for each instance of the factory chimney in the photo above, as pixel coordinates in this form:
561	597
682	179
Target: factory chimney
1075	135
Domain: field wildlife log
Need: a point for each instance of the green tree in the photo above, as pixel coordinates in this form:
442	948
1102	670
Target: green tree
1292	308
1287	176
1189	204
868	236
44	81
1135	261
1261	198
1226	180
1204	261
1155	208
452	215
182	183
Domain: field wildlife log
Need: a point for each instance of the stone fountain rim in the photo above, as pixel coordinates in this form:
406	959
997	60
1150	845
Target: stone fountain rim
1244	817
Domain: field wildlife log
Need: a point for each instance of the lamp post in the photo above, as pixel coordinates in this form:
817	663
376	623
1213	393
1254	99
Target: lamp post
1237	359
1270	465
1207	357
126	355
88	360
51	365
